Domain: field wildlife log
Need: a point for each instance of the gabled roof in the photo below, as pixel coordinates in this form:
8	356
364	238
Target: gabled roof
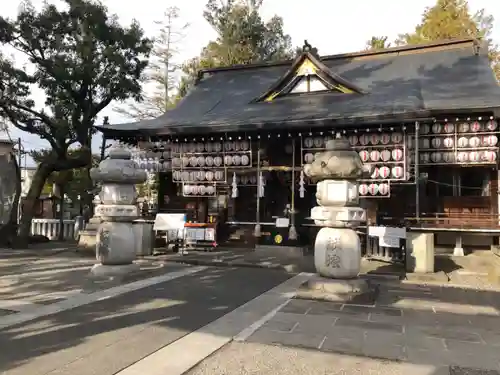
393	84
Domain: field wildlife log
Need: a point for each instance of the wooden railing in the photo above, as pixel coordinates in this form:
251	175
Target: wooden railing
465	220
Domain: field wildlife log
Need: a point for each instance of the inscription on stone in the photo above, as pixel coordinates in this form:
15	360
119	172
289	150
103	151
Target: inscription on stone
332	248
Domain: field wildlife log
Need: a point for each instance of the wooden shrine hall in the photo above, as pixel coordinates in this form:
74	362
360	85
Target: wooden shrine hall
231	152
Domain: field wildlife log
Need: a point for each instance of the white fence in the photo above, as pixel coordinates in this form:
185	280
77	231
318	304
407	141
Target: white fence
50	228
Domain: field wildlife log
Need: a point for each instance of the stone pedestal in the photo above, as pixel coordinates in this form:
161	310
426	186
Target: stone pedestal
420	252
337	290
116	239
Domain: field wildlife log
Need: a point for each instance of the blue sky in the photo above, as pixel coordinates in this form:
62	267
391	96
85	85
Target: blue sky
332	27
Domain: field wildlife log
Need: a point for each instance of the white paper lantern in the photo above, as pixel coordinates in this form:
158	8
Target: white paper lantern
245	160
200	161
217	161
464	127
449	128
491	125
199	175
308	142
375	139
436	157
236	160
425	129
228	146
474	142
245	145
373	189
397	138
424	157
397	172
192	176
209	176
383	189
185	161
176	175
474	156
475	126
237	146
385	155
364	156
209	161
185	176
448	142
490	140
202	190
375	173
375	155
309	158
353	140
363	189
364	140
318	142
489	156
462	157
436	142
384	172
437	128
253	179
187	190
462	142
385	139
397	154
210	190
193	161
176	162
217	147
200	147
228	160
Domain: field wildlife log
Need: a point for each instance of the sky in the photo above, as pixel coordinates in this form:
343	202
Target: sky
330	26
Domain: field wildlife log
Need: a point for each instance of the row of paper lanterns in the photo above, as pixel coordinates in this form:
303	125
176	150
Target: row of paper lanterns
464	127
191	176
193	190
462	142
384	155
211	161
449	157
385	172
374	189
202	147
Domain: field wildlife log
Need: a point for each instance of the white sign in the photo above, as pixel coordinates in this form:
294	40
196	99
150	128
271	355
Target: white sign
393	232
388	242
167	222
282	222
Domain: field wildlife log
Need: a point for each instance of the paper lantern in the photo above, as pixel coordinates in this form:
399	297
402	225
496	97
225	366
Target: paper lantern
424	129
424	157
192	176
385	139
373	189
449	128
245	160
208	147
228	146
185	161
448	142
474	156
309	158
176	175
209	161
437	128
200	161
462	142
475	126
374	139
187	190
490	140
363	189
200	147
375	173
385	155
474	142
202	190
491	125
353	140
253	179
436	157
364	139
410	142
217	161
489	156
436	142
383	189
228	160
364	155
397	154
308	142
397	138
425	143
384	172
175	148
200	175
462	157
191	147
397	172
193	161
375	155
448	157
318	142
219	175
176	162
464	127
209	176
237	146
244	179
245	145
210	190
217	147
185	176
236	160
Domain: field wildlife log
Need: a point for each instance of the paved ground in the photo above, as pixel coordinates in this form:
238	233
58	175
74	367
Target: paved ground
106	336
437	326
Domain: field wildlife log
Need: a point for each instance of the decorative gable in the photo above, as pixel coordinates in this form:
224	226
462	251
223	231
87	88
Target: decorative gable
308	75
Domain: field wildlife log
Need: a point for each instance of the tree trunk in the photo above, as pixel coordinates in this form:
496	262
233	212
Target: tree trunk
41	174
8	232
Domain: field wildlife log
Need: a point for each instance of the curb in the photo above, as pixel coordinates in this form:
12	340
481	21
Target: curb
290	268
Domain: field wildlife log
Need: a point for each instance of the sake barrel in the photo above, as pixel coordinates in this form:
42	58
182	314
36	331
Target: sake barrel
490	140
385	139
383	189
209	161
217	161
449	157
375	155
397	137
397	172
363	189
375	173
209	175
308	142
385	155
474	156
397	154
194	190
364	140
384	172
474	142
228	160
373	189
245	160
353	140
476	126
437	142
462	157
175	148
491	125
437	128
191	147
449	128
309	158
374	139
448	142
464	127
489	156
244	179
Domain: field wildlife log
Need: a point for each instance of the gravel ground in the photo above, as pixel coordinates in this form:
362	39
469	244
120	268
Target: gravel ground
259	359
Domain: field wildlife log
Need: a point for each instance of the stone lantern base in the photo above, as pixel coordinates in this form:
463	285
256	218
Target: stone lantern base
357	291
117	270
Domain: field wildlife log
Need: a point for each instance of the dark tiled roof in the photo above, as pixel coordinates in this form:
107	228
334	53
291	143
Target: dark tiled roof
417	81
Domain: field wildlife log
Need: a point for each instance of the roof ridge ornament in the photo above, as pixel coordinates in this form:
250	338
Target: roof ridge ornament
308	48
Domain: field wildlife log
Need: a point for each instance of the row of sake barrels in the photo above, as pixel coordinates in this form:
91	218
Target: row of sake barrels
381	155
462	157
464	127
211	161
207	190
198	176
194	147
376	139
462	142
374	189
386	172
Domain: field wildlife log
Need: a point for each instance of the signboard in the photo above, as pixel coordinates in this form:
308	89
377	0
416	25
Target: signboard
169	222
387	236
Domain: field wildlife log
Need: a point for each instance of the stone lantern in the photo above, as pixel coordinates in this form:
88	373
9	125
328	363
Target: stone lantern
115	243
337	248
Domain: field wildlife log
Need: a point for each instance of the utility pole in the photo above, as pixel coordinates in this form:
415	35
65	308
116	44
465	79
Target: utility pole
19	162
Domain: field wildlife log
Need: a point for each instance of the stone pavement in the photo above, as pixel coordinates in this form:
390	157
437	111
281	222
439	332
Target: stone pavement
424	325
